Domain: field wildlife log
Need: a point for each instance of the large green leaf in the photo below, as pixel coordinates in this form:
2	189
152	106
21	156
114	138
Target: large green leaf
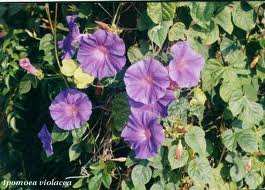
195	138
253	179
246	138
212	74
248	111
229	140
177	31
200	170
230	85
243	17
141	175
202	12
161	11
224	20
158	34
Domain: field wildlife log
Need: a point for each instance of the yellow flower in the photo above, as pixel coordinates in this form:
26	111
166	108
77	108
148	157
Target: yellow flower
82	79
199	97
69	67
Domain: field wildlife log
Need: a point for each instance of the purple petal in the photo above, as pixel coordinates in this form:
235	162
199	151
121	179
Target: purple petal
101	54
159	108
186	65
140	134
72	37
70	109
146	81
46	140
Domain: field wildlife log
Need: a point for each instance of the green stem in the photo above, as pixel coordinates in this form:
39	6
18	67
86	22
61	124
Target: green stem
53	28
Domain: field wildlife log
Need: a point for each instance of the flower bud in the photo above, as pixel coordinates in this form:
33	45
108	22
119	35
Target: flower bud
26	65
248	166
179	150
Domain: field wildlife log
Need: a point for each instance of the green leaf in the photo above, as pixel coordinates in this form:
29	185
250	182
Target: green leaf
229	86
74	152
229	140
95	182
218	182
79	132
120	111
248	111
156	186
134	54
200	170
174	163
243	17
253	180
212	74
78	184
59	134
127	185
224	20
247	140
211	36
47	45
161	11
158	34
177	32
195	138
229	46
144	22
202	13
106	179
141	175
24	86
237	171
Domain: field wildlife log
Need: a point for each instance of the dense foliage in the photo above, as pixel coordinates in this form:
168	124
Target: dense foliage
215	131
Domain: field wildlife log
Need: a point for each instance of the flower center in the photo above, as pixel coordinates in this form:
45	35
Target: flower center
148	79
103	49
147	133
101	52
71	110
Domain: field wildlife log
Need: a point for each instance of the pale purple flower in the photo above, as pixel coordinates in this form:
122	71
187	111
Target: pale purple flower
70	109
73	36
146	81
26	65
101	54
144	134
159	108
185	67
46	140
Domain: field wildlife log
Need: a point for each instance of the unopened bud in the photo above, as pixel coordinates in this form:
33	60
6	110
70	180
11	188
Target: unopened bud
179	150
254	62
248	166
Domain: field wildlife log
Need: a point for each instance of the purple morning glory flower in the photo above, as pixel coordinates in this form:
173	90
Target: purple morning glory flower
146	81
158	108
101	54
73	36
70	109
46	140
185	67
144	134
